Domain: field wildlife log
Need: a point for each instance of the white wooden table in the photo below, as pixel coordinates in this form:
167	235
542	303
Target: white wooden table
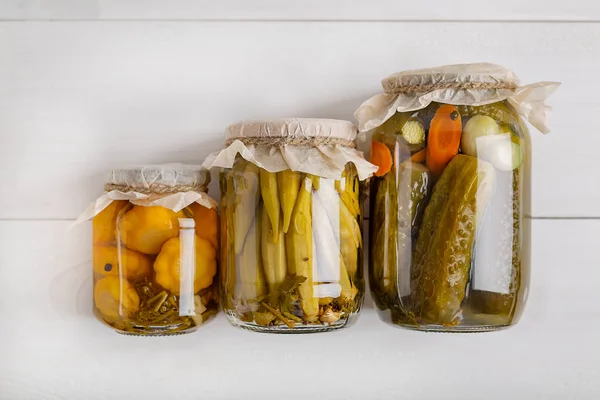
87	85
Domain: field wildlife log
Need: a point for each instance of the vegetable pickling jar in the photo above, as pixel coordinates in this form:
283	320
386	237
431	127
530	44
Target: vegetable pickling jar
450	202
291	224
155	247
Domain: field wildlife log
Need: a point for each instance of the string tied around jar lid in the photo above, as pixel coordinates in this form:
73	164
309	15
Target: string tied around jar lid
293	141
156	188
461	84
451	85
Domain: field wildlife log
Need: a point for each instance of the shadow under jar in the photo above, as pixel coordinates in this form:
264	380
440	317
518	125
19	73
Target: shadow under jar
292	240
154	262
450	207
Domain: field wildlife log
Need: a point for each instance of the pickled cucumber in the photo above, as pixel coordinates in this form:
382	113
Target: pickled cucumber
443	252
415	186
273	252
348	188
384	233
228	258
300	250
288	183
251	282
270	196
247	198
350	238
400	203
497	266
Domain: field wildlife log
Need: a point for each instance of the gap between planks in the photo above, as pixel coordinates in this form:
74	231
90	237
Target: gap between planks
267	20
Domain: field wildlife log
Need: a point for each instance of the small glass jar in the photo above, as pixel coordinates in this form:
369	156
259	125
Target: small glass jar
155	247
291	240
450	203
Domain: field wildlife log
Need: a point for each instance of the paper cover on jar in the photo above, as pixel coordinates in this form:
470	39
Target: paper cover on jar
461	84
173	186
320	147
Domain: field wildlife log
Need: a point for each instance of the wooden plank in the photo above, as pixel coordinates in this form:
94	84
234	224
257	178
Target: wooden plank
53	348
79	98
383	10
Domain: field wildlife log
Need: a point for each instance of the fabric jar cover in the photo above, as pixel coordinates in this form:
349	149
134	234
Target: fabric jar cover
320	147
173	186
461	84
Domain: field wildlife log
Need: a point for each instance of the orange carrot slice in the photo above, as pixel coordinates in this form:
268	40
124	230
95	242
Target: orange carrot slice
443	139
382	157
419	156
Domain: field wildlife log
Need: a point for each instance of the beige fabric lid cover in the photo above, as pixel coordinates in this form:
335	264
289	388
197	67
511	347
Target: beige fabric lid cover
173	186
308	128
160	178
460	84
320	147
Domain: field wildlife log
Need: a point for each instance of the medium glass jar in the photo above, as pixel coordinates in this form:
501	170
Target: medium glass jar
291	240
450	206
155	246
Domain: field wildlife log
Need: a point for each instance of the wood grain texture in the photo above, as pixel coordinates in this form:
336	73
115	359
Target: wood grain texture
78	98
52	348
383	10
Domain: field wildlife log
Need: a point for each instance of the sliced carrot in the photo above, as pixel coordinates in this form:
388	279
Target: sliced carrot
382	157
419	156
443	139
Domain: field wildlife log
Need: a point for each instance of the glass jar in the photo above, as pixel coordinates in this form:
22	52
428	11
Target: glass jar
291	235
155	247
450	204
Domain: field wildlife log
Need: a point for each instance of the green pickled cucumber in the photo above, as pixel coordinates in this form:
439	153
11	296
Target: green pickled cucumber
349	291
270	196
398	210
335	228
247	198
350	239
414	188
387	243
288	183
384	233
443	252
497	265
273	252
348	187
299	246
228	258
251	283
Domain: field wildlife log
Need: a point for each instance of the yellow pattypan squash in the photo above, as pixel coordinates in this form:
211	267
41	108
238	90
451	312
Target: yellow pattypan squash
110	303
146	229
207	223
104	224
167	265
133	265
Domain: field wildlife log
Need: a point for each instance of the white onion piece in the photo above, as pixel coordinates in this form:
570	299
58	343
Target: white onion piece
500	151
476	127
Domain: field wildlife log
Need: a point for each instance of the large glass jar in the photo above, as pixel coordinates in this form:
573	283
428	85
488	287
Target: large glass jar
291	240
155	247
450	207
